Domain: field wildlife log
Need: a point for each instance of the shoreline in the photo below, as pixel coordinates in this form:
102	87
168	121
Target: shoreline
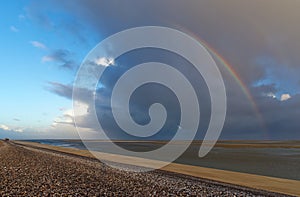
220	143
257	182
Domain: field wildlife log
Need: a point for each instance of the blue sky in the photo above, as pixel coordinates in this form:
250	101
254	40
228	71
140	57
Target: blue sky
43	44
24	74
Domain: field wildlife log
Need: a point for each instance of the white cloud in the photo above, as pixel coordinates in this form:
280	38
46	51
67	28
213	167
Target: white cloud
104	61
270	94
38	44
65	123
19	130
68	112
66	118
85	121
7	128
14	29
285	97
4	127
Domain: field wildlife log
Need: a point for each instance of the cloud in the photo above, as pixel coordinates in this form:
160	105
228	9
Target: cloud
263	57
104	61
66	91
38	45
7	128
218	23
4	127
16	119
66	118
14	29
241	121
19	130
285	97
63	57
84	112
60	89
66	123
57	55
270	94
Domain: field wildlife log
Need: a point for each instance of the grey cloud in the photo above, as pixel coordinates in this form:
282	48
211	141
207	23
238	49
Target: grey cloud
242	122
66	91
60	89
240	31
63	122
63	57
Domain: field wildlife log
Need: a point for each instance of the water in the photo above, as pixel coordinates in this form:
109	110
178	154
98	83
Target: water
281	162
62	143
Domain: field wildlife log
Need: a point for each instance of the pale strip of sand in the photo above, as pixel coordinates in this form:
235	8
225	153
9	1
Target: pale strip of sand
279	185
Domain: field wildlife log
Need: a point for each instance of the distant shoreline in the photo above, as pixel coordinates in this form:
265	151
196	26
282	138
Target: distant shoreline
220	143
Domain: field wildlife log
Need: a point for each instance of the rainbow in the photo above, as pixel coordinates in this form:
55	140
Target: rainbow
233	73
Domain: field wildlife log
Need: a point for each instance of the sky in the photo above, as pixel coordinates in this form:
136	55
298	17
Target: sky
255	45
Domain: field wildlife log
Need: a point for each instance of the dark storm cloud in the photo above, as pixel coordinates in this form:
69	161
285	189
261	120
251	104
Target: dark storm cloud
240	31
243	32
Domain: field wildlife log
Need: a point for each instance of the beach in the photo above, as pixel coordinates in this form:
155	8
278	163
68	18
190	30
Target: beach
36	171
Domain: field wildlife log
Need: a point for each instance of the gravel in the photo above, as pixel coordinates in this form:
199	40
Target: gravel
26	171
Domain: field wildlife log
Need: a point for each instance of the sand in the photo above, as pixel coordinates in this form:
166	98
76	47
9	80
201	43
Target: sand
241	179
